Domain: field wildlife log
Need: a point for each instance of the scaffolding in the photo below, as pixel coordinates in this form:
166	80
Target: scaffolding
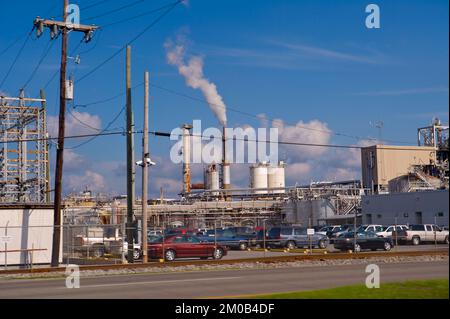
24	156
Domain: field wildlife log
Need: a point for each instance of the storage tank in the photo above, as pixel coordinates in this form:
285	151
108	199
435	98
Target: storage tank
258	178
212	178
276	177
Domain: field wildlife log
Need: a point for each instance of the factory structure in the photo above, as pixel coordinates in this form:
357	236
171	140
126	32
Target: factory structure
404	184
386	171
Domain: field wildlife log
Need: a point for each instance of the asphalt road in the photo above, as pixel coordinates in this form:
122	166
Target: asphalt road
225	283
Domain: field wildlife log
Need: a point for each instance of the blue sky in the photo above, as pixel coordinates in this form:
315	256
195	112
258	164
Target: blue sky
293	60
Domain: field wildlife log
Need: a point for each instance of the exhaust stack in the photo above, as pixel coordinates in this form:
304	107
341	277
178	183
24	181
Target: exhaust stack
225	165
186	158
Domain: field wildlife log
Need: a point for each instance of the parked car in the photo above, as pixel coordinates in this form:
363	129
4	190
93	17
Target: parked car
228	238
327	229
292	237
185	246
370	228
155	232
389	230
246	232
417	234
177	231
364	240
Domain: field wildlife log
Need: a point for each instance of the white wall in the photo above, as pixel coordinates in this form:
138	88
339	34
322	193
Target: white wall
28	228
385	208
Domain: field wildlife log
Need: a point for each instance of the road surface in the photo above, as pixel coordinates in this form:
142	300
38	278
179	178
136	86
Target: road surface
223	283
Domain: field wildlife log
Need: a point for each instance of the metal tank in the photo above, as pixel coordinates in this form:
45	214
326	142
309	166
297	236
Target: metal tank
212	178
276	178
258	178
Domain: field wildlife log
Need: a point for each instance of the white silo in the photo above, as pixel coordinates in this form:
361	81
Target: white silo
258	178
276	178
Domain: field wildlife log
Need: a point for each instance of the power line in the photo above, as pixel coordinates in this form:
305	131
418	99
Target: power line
115	10
164	134
154	22
268	118
17	57
94	5
109	99
43	56
10	46
57	71
68	137
101	132
136	16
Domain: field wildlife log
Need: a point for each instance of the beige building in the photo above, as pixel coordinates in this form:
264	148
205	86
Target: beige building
382	163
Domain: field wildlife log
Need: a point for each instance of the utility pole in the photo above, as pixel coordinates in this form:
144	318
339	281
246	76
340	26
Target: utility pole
145	163
130	161
63	27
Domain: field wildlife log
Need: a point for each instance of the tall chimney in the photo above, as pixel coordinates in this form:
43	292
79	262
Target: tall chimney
225	164
186	158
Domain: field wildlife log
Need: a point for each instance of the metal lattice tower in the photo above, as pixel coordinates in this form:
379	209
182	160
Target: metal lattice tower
24	164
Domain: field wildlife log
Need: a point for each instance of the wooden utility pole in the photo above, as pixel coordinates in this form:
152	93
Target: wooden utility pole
145	156
130	161
63	27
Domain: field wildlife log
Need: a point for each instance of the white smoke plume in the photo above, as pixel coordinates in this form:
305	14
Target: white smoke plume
193	74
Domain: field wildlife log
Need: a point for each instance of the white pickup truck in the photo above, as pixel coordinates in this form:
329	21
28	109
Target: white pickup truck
417	234
99	246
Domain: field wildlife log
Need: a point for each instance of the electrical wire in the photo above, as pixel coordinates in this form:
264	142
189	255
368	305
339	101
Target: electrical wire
57	71
101	132
83	123
271	119
114	10
43	56
109	99
165	134
17	57
94	4
10	46
136	16
153	23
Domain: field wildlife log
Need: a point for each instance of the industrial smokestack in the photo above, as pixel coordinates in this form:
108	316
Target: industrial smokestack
192	70
225	165
186	158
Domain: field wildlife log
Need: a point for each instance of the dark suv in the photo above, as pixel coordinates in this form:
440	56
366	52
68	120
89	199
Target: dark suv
292	237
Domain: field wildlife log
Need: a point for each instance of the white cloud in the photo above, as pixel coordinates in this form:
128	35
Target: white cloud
77	123
92	180
313	132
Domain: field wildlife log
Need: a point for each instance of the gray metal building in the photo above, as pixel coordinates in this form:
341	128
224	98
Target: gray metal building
427	207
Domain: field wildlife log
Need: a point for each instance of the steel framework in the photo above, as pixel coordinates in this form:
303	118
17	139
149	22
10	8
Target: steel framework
24	164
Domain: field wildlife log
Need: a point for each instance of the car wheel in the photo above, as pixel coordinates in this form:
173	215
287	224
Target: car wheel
357	248
290	245
416	241
169	255
387	246
98	252
243	246
218	253
322	244
136	254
